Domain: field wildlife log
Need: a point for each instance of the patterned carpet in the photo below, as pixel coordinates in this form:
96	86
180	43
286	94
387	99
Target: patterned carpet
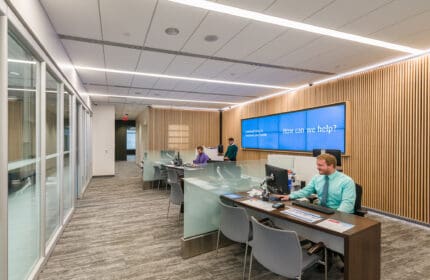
119	231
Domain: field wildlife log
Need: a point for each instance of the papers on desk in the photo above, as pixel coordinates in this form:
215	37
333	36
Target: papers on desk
335	225
254	192
302	215
257	203
233	195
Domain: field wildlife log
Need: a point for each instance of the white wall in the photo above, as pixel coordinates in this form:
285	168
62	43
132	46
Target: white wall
103	140
304	167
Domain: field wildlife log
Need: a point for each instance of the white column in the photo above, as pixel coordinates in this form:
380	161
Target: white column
3	148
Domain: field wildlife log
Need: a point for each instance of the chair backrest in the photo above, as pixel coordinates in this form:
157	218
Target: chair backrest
176	194
163	172
172	176
234	223
358	195
157	172
277	250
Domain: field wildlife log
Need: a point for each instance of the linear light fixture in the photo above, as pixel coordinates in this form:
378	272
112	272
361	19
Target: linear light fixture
212	6
107	70
342	75
160	99
185	108
21	61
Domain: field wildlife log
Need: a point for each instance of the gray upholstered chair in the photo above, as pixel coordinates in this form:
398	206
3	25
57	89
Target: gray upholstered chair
234	224
163	175
280	252
157	176
176	197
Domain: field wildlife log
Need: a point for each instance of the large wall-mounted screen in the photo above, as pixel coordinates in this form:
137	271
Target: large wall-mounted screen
305	130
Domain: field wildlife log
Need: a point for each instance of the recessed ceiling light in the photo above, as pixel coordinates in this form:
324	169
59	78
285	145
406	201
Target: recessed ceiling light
211	38
173	31
230	10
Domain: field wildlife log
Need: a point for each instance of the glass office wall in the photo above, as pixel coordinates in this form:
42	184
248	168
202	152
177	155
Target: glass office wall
23	161
40	125
52	212
67	183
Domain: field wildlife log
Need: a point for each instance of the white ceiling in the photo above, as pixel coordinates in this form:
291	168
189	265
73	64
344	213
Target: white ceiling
141	23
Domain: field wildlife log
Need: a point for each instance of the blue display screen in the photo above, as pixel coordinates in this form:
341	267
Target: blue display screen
317	128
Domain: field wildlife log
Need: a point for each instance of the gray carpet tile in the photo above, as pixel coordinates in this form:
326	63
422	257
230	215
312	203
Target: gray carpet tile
119	231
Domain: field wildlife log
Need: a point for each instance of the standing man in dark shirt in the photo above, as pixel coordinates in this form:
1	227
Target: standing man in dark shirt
231	152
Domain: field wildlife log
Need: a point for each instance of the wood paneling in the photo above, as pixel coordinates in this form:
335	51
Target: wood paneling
390	123
203	128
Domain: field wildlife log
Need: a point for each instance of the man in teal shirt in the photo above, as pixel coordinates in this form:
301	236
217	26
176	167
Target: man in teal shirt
231	152
334	189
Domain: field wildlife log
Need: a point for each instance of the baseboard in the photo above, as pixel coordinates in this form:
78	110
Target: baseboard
201	244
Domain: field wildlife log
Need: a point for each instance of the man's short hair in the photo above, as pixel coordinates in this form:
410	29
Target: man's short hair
231	139
199	148
328	158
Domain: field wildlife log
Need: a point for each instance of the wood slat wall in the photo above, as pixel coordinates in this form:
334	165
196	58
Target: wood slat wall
390	139
203	127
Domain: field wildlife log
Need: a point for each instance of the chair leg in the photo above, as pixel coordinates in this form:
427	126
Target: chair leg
159	184
250	267
244	261
217	241
179	215
168	208
326	263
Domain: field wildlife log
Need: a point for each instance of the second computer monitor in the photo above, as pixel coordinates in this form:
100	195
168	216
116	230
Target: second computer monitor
279	183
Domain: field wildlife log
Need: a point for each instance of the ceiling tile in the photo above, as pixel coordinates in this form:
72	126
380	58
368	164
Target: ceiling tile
154	62
297	10
170	14
126	21
76	18
121	58
183	65
252	37
85	54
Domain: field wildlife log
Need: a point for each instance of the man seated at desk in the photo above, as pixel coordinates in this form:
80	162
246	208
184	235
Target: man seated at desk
201	158
334	189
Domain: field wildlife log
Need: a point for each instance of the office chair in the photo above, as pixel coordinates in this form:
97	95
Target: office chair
357	206
280	252
163	175
157	176
234	224
172	176
176	197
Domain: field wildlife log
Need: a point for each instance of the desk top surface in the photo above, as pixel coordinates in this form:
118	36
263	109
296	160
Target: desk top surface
360	223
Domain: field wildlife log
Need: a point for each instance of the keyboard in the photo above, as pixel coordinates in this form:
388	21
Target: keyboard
315	207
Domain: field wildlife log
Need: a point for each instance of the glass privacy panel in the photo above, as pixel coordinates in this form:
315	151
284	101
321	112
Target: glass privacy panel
52	96
67	186
204	186
66	121
23	164
52	198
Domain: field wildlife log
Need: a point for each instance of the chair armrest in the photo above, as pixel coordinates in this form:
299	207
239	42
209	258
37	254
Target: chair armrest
360	212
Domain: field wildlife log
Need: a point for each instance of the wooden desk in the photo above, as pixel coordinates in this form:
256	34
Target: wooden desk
360	245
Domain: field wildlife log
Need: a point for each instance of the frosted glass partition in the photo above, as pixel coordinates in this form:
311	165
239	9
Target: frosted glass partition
204	187
154	159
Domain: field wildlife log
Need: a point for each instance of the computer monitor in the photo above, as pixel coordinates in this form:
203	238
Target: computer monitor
336	153
279	183
177	160
220	149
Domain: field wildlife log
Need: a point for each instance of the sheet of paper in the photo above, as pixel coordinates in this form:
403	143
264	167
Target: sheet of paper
302	215
233	195
257	203
335	225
